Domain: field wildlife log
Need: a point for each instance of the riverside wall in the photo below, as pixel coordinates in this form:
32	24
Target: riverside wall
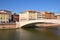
8	26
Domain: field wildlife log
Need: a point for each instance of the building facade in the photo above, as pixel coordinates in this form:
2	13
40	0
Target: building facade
58	15
29	15
5	16
39	16
33	15
47	15
15	17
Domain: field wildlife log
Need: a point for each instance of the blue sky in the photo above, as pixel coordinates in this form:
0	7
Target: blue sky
37	5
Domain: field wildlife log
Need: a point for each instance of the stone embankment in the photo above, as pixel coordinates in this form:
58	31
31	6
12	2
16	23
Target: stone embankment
7	25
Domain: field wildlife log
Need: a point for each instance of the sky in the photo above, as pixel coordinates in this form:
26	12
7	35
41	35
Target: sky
37	5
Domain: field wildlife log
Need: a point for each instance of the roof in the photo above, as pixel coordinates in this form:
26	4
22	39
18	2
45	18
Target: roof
4	11
31	11
44	12
28	11
58	14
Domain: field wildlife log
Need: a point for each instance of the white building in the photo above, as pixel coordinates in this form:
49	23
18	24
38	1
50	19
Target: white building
5	16
29	15
58	15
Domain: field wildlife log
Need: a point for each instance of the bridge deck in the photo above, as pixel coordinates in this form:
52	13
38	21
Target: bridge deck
55	21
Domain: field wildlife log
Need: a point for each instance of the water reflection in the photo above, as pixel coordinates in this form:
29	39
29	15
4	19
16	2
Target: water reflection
8	35
38	34
30	34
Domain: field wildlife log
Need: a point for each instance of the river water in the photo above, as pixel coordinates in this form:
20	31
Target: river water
30	34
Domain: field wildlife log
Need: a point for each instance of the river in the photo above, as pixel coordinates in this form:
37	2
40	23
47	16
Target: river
30	34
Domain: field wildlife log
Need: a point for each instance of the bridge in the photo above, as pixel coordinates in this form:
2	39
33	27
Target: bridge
23	23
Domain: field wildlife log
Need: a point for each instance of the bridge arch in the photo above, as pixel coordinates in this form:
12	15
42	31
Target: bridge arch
33	23
24	23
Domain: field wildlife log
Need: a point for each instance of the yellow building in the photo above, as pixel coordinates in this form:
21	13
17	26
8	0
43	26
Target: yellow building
5	16
29	15
58	15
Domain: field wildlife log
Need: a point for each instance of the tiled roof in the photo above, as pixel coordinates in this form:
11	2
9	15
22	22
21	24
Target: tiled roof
4	11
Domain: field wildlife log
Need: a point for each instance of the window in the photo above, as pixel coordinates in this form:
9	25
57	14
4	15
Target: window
1	17
7	21
1	21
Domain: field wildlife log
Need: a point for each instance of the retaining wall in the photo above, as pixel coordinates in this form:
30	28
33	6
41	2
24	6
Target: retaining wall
8	26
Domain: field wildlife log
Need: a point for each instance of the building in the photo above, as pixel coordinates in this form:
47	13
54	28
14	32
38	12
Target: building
47	15
5	16
33	15
29	15
39	16
15	17
58	15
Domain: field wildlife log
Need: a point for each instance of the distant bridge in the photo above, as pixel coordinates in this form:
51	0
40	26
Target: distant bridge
23	23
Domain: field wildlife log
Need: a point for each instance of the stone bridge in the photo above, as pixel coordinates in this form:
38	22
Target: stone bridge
23	23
